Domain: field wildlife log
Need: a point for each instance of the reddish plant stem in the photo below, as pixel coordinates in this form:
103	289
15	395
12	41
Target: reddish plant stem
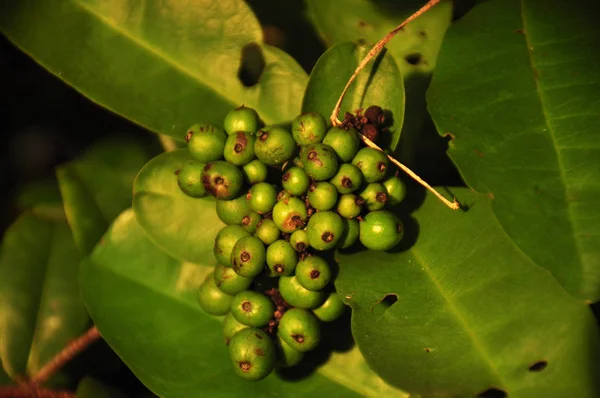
33	392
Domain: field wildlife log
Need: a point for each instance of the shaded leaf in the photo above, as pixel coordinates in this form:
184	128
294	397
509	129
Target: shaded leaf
92	388
464	310
517	88
43	193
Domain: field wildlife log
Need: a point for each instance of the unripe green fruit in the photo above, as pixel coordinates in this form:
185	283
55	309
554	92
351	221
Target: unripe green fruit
229	282
267	231
349	205
241	119
295	181
375	196
231	326
250	221
274	146
299	240
309	128
287	356
320	161
281	258
331	309
313	273
381	230
300	329
231	212
345	143
262	197
372	163
396	190
290	215
252	308
255	171
222	179
284	196
324	230
347	179
351	231
239	148
211	299
322	195
252	353
298	296
205	142
225	241
248	256
189	179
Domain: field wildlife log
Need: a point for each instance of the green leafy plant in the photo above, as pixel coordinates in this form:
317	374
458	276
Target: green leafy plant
494	103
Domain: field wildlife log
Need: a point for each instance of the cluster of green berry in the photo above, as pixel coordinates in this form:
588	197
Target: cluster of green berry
270	281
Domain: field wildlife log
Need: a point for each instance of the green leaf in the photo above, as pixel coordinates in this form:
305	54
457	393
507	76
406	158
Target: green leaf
98	186
464	310
164	66
143	302
517	88
380	83
43	193
40	305
92	388
182	226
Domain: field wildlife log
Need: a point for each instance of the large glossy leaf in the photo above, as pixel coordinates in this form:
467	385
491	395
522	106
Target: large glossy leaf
40	305
164	65
172	220
517	88
143	302
464	310
380	83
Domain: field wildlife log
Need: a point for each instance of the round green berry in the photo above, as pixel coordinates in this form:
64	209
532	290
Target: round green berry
229	282
313	273
252	308
274	146
248	256
372	163
375	196
380	230
205	142
241	119
349	205
322	195
299	240
347	179
211	299
344	142
252	353
267	231
231	326
295	181
189	179
239	148
281	258
290	215
300	329
262	197
287	356
224	242
320	161
250	221
350	235
331	309
396	190
298	296
231	212
255	171
309	128
324	229
284	196
222	179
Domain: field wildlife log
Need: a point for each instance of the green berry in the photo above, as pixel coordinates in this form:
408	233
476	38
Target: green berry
349	205
189	179
252	308
313	273
345	143
284	196
267	231
299	240
281	258
300	329
239	148
231	326
295	181
211	299
320	161
262	197
241	119
347	179
224	242
350	235
250	221
205	142
309	128
331	309
255	171
324	229
298	296
248	256
381	230
274	146
396	190
222	179
290	215
288	356
231	212
252	353
229	282
375	196
372	163
322	195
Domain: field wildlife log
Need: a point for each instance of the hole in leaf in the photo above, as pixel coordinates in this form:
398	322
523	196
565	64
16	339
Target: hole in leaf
538	366
252	65
492	393
414	58
385	303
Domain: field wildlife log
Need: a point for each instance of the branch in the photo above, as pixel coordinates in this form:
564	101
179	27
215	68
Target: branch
32	392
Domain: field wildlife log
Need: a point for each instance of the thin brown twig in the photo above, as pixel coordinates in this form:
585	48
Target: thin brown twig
31	392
